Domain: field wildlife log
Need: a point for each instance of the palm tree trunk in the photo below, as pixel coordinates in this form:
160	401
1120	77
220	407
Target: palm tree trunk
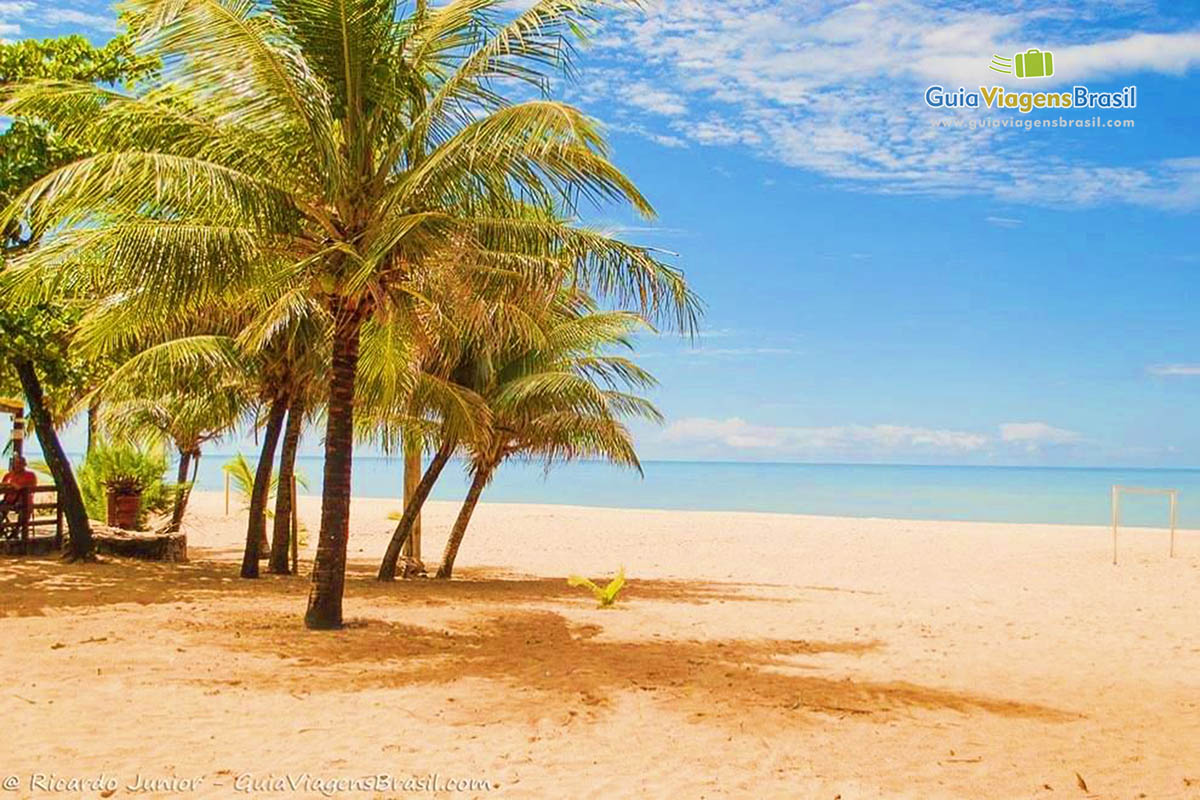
93	420
412	510
256	528
329	567
462	520
282	534
79	544
187	495
181	490
413	454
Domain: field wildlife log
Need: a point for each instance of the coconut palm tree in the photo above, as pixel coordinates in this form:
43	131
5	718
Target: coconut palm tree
175	412
561	400
347	143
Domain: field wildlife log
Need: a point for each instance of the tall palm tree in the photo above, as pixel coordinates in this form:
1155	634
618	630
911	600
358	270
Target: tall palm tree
347	142
561	400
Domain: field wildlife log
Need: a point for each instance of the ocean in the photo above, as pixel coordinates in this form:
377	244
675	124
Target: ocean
974	493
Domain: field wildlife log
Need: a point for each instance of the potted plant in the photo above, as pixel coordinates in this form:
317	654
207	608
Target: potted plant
122	483
124	494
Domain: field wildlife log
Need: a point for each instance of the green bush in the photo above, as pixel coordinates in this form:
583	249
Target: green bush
124	469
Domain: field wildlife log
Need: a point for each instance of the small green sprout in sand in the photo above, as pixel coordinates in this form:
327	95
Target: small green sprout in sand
606	596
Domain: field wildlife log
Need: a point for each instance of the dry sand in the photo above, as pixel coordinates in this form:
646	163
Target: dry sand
754	655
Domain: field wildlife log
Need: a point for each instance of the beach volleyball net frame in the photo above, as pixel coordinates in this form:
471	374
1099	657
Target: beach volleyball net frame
1171	494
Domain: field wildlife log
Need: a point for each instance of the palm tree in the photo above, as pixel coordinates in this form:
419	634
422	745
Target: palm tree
348	144
278	563
175	412
558	401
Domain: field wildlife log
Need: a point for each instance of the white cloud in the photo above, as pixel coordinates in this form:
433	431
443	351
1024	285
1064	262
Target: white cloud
1004	222
82	19
664	139
863	441
836	88
1034	435
643	95
12	14
716	352
738	434
1174	370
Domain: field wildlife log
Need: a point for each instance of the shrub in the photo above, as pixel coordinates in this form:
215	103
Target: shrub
124	469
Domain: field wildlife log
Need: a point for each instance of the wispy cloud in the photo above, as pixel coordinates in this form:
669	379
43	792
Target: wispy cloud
1174	370
70	16
739	435
1036	435
835	88
1004	222
12	14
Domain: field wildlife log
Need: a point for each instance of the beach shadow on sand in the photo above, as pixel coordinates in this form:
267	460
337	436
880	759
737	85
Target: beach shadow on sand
33	586
544	652
517	631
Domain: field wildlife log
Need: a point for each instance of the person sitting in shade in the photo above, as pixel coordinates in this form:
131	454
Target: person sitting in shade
13	484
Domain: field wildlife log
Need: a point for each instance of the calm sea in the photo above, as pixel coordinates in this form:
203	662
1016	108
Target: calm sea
994	494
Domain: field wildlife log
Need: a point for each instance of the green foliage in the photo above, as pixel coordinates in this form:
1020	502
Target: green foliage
606	596
124	469
242	476
73	58
42	334
29	148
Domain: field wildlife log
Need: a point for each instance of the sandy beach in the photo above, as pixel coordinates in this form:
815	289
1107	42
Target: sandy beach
752	655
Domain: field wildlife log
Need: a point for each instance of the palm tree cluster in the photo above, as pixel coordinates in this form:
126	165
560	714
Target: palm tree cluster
359	213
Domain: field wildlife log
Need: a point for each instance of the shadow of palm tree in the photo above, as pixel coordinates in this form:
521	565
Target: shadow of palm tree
528	649
542	652
31	586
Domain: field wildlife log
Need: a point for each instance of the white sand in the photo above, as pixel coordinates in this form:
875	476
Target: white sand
753	655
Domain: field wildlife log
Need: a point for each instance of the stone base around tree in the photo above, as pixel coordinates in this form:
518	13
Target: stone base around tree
139	544
35	546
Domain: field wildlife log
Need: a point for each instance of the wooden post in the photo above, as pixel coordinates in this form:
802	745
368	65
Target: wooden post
295	530
18	434
227	494
412	476
1116	516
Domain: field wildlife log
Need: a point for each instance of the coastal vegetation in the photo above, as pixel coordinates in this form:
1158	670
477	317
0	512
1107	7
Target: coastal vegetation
362	219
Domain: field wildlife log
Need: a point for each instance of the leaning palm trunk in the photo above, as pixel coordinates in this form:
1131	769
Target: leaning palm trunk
70	500
412	510
187	495
282	534
461	522
93	423
329	567
413	456
256	528
181	490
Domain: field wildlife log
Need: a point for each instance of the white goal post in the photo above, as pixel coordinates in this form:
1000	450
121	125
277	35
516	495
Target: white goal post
1172	495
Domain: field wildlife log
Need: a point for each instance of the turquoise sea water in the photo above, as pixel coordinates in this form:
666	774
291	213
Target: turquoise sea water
994	494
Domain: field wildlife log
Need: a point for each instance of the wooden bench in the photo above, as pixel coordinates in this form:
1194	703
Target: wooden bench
20	521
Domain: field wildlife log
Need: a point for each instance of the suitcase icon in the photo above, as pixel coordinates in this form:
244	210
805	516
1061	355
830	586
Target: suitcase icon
1034	63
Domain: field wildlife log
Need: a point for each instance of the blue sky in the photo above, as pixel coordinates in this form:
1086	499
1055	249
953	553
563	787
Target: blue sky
881	289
